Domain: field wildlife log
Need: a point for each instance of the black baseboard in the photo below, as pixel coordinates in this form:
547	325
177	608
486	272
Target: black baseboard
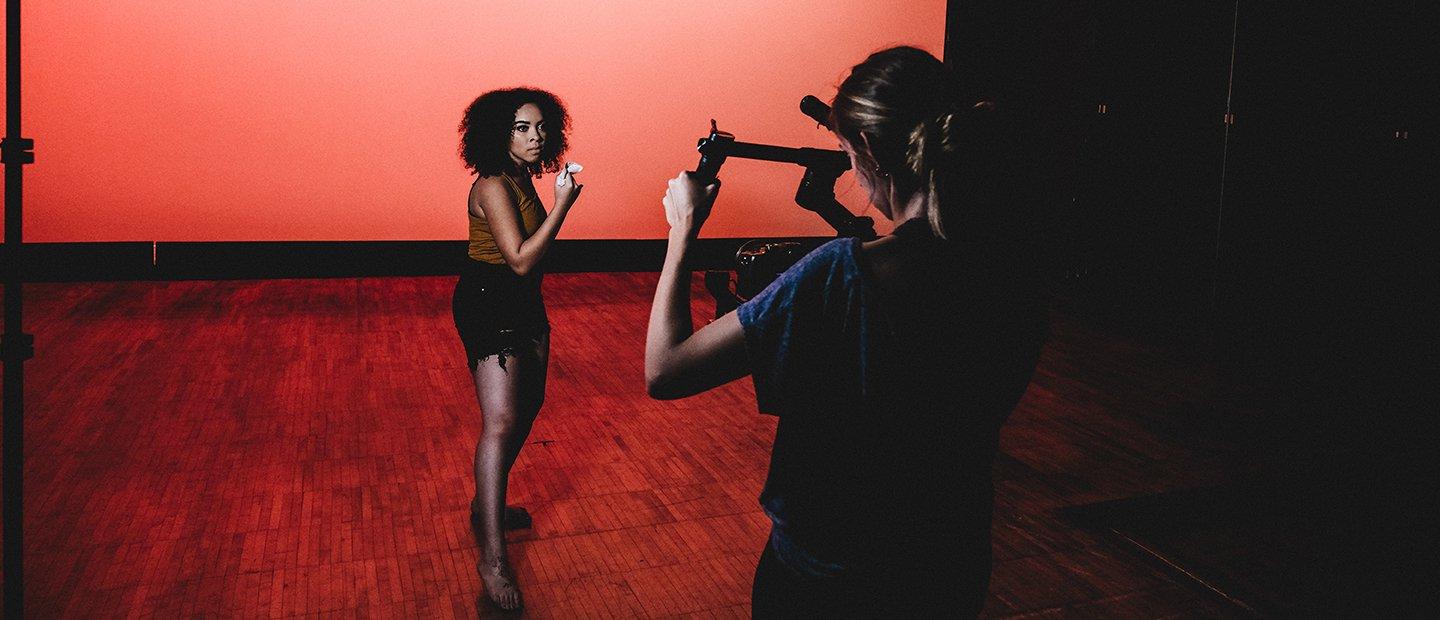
185	260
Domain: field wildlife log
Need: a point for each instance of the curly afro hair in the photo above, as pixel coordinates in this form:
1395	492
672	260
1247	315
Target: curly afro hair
485	131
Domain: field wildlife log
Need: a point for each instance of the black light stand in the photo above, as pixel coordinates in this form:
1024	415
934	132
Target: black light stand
16	346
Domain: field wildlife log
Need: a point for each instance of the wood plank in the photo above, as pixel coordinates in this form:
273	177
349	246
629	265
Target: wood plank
303	447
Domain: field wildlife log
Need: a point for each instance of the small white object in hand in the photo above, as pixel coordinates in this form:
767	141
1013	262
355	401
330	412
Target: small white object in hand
570	168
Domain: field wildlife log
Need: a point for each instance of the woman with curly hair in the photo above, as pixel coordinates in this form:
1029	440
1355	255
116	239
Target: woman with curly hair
508	138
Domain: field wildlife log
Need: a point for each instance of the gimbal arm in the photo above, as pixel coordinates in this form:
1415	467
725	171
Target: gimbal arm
817	188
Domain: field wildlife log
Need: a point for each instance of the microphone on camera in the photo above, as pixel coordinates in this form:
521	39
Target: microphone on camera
816	109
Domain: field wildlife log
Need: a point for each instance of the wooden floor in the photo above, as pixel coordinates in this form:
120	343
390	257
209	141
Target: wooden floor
303	447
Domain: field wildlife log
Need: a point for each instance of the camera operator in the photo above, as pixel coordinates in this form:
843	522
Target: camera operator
891	363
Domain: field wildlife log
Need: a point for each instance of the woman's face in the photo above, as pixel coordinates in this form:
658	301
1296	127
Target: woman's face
877	187
527	135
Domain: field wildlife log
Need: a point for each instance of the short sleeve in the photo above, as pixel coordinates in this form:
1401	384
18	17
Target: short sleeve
787	324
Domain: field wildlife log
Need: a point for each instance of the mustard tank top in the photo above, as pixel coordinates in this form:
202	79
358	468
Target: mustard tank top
482	242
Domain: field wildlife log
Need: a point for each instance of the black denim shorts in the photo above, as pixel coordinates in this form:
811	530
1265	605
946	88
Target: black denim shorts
497	312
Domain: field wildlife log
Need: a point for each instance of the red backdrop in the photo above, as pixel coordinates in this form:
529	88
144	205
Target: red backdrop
284	120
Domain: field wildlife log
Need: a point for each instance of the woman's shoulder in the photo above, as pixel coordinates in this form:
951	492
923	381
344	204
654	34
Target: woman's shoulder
483	182
809	285
833	253
492	180
833	263
886	257
911	248
490	187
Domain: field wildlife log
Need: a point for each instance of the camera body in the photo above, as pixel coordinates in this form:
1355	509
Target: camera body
759	262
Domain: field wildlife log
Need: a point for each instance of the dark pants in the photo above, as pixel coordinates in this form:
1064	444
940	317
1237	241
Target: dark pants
920	592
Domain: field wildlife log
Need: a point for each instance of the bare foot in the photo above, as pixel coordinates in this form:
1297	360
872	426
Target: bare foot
500	584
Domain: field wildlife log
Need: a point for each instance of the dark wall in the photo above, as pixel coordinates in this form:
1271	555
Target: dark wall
1267	229
1325	202
1126	108
1325	268
1288	248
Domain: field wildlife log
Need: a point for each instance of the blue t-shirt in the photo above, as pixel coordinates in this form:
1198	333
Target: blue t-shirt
790	325
890	398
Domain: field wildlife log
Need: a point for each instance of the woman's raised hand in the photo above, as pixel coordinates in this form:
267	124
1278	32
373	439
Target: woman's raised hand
566	188
687	203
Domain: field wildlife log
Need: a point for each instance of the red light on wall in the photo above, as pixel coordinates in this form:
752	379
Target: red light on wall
195	121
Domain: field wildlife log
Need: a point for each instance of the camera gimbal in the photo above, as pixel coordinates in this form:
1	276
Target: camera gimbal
817	187
760	262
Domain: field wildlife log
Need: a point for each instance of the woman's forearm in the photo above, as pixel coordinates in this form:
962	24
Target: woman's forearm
670	312
533	248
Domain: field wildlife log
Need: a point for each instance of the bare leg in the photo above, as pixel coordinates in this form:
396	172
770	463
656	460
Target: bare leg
508	405
514	518
531	396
